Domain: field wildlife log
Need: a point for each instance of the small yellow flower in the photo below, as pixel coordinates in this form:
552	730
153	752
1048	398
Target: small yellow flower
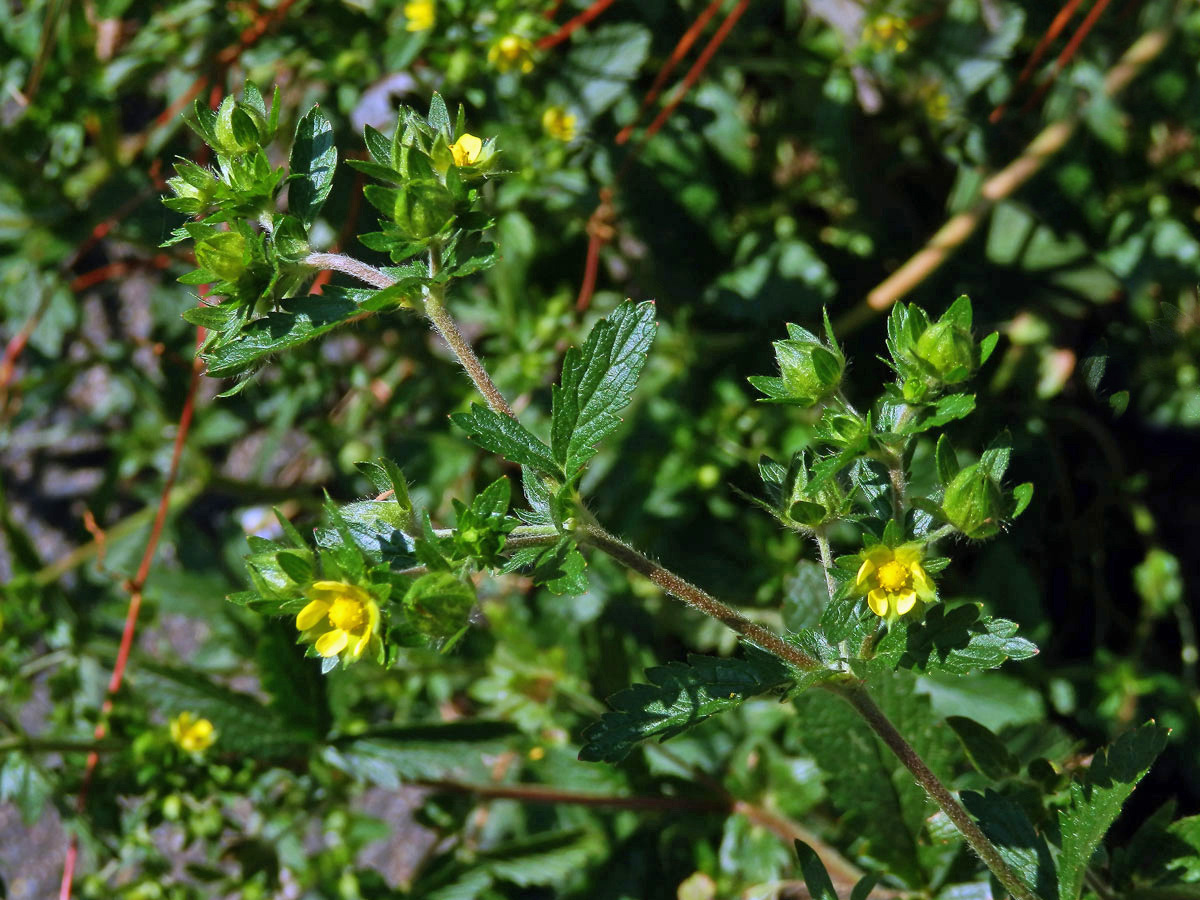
342	619
512	52
466	150
559	124
936	102
893	580
419	15
887	32
191	734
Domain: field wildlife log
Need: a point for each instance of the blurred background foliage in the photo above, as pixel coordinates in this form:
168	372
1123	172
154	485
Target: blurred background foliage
823	145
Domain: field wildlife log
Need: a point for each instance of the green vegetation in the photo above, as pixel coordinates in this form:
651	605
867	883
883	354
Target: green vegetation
637	608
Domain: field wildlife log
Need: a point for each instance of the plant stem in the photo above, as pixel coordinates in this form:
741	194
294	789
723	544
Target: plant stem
54	745
826	559
444	325
896	478
339	262
856	695
695	597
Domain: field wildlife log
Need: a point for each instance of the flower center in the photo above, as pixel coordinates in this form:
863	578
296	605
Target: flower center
893	576
347	614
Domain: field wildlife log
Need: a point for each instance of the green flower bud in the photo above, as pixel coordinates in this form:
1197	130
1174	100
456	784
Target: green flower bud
974	503
810	371
238	128
223	254
948	349
423	208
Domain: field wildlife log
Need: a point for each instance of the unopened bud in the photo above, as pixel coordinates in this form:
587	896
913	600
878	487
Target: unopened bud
974	503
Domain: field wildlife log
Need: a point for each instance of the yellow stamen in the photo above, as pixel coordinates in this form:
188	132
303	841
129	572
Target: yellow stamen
347	614
893	576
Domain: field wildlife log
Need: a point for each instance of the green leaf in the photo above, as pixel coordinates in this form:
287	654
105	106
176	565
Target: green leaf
300	320
439	116
679	696
243	724
390	757
314	159
956	640
439	604
947	409
24	784
1022	495
1009	829
1096	800
598	382
947	462
984	750
505	435
816	879
544	860
959	313
378	146
879	801
994	460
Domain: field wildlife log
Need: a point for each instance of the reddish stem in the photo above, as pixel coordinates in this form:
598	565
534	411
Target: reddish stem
1060	22
136	587
677	55
1068	51
553	40
697	68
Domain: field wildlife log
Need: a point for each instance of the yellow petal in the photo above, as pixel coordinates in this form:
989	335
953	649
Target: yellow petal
878	601
331	643
361	644
466	150
905	602
908	554
311	614
918	575
864	571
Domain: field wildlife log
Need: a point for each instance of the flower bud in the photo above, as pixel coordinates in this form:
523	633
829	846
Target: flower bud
422	209
974	503
947	348
810	372
223	254
238	128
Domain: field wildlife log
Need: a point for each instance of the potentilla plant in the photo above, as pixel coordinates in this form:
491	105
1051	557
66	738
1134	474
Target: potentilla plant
383	580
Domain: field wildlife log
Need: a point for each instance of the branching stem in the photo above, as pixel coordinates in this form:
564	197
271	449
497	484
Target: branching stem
697	598
856	695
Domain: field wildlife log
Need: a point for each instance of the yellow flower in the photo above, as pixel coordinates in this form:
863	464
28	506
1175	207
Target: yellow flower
419	15
893	580
466	150
192	734
512	52
342	618
887	32
559	124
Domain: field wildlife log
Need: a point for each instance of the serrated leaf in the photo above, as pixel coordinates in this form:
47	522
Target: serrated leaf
1097	798
314	159
505	435
679	696
984	750
391	757
543	860
1009	829
378	146
879	801
243	724
300	320
947	409
816	878
994	460
439	603
956	641
597	383
439	116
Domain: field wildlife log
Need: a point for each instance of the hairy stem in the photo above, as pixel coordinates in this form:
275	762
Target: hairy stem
826	560
348	265
695	597
443	323
856	695
896	477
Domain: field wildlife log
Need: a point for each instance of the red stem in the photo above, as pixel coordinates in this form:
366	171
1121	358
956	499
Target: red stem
697	68
553	40
1068	51
677	55
136	587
